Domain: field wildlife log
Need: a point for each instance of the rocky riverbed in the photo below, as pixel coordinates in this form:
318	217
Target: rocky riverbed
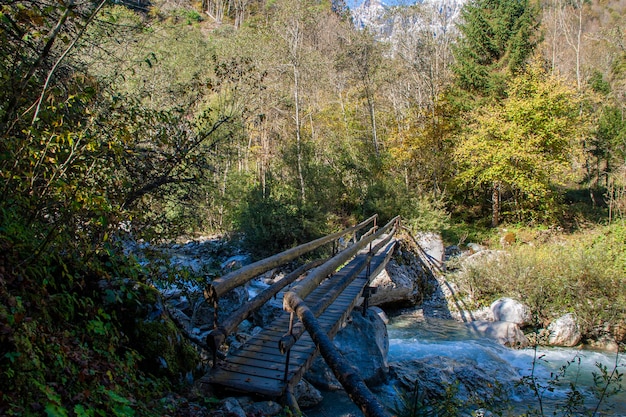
412	288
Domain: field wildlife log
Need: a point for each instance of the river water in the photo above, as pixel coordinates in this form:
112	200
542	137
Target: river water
418	338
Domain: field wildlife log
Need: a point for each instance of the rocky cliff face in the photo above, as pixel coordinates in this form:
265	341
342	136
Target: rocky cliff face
392	23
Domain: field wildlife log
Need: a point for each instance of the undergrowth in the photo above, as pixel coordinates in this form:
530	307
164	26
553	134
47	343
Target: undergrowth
80	334
583	273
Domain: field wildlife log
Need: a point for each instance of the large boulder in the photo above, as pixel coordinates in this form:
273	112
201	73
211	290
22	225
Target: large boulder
307	395
508	309
564	331
506	333
396	284
364	343
432	376
434	250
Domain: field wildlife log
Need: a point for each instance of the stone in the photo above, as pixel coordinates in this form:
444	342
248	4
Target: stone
394	285
508	309
307	395
262	408
475	247
231	301
564	331
364	343
434	250
321	376
235	262
433	375
504	332
231	408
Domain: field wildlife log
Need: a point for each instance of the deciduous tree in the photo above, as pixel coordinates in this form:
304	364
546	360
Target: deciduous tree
520	147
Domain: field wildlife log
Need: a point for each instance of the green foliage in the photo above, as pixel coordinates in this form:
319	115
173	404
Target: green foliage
270	226
80	337
426	214
583	274
497	39
521	147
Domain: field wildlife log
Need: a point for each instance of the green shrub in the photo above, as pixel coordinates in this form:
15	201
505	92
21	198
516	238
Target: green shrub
583	274
270	225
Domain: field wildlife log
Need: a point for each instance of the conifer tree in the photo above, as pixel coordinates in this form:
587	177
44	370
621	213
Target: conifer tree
497	38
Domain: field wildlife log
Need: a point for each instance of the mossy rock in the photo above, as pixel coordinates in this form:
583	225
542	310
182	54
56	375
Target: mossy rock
151	332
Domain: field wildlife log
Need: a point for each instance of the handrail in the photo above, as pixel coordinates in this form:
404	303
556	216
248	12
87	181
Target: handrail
311	282
289	339
217	336
347	375
220	286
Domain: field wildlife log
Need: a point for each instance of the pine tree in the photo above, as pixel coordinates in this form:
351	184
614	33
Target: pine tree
498	36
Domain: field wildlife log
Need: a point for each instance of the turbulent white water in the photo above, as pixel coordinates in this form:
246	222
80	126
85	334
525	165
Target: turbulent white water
412	338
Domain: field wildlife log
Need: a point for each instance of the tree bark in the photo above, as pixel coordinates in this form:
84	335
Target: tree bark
495	204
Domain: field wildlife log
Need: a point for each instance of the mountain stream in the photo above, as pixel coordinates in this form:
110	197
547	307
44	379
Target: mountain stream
421	339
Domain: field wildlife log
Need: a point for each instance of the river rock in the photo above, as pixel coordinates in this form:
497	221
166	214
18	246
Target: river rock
506	333
364	343
400	283
228	407
434	375
564	331
394	285
434	250
235	262
508	309
261	408
307	395
321	376
228	303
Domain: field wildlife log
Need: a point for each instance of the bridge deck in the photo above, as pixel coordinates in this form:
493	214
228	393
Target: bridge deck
258	367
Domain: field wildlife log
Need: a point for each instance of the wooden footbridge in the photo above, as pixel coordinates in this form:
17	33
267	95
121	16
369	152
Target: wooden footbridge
322	294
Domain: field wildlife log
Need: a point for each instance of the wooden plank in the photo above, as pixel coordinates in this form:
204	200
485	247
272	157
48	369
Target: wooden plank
247	383
255	362
295	357
259	367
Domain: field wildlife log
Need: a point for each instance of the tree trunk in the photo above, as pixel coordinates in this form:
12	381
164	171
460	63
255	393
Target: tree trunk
495	204
296	77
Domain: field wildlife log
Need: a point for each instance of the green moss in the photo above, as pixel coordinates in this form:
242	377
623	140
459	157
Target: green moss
162	347
164	350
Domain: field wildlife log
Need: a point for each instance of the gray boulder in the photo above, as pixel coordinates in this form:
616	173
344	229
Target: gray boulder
228	407
506	333
434	250
564	331
307	395
508	309
364	343
434	375
396	284
262	408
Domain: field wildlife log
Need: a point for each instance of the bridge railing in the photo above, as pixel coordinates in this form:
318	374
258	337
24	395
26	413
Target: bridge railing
293	302
299	292
220	286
